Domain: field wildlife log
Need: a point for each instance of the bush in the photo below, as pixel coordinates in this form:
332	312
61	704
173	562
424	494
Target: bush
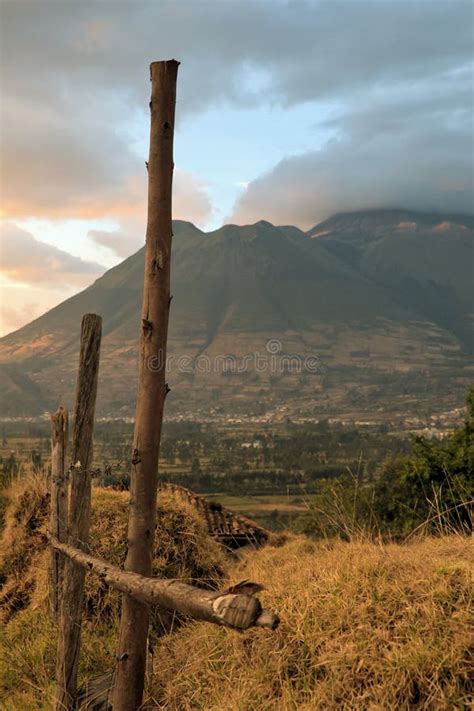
432	488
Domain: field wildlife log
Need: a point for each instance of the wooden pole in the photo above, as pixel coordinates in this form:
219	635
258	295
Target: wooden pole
152	387
231	609
79	513
59	503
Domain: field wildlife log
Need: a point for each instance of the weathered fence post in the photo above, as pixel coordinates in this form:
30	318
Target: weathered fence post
79	512
59	503
152	387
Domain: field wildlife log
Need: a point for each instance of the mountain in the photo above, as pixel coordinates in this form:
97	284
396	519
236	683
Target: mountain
379	303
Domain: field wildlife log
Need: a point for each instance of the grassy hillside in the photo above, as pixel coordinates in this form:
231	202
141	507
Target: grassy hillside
364	626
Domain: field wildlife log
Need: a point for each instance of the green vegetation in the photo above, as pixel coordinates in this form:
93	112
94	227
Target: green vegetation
366	623
268	472
431	487
312	477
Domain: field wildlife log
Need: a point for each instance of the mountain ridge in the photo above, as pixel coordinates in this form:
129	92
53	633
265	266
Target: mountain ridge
388	283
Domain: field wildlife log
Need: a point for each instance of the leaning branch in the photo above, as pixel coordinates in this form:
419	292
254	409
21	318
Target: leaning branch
239	611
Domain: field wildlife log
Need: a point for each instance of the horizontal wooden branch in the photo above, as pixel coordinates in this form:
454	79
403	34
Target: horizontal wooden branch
240	611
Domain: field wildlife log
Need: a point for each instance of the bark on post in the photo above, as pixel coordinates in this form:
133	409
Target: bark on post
59	503
79	512
152	387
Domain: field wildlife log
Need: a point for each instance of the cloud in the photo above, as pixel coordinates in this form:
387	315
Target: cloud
190	202
57	166
74	77
344	176
35	276
302	50
123	242
20	304
29	261
410	149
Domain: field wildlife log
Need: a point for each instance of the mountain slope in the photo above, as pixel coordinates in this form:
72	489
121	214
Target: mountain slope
382	299
427	261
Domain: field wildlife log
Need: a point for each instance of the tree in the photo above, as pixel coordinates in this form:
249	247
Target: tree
434	484
432	487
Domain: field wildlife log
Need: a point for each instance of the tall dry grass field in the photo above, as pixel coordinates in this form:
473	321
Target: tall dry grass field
364	626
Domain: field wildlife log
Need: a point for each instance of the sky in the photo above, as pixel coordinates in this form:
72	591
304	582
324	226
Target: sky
287	110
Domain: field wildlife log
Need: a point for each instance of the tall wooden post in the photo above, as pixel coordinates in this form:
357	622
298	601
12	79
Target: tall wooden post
152	387
79	513
59	503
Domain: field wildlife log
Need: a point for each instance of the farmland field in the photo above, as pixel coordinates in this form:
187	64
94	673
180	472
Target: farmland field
264	473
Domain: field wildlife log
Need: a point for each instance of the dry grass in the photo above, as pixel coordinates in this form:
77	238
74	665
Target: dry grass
22	545
364	626
28	639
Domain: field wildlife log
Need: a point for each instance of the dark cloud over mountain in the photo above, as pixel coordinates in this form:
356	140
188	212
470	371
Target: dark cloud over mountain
378	159
396	73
